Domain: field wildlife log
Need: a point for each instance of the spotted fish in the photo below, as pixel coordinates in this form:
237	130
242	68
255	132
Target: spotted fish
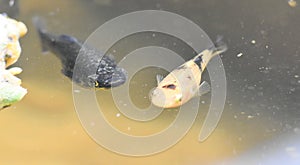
93	68
184	82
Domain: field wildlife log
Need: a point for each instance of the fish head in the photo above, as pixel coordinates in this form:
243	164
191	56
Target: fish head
108	79
167	94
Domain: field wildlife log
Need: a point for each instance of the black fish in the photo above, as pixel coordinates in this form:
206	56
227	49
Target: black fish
93	68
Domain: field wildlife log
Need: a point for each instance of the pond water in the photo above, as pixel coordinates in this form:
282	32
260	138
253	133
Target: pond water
262	110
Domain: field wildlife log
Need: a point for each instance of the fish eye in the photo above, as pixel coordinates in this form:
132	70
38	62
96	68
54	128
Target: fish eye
170	86
96	84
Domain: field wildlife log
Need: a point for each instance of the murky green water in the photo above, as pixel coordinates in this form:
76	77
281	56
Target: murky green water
263	84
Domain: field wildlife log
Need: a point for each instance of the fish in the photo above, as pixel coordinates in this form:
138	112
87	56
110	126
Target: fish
93	68
184	83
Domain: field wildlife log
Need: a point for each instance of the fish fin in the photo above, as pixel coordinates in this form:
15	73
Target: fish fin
203	88
40	25
206	55
220	46
159	78
93	77
44	49
92	80
67	72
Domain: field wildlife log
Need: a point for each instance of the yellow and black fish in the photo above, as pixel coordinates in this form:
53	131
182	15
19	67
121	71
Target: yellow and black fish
94	69
184	82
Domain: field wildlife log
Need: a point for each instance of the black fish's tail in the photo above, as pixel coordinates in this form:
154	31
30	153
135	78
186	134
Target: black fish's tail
39	24
45	37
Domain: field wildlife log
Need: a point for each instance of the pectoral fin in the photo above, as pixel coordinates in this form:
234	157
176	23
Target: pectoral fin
92	77
159	78
204	88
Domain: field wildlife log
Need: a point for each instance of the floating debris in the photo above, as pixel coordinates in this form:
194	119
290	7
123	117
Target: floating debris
10	50
292	3
239	55
253	42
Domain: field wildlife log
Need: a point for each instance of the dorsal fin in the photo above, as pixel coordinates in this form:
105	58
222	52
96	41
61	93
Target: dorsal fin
159	78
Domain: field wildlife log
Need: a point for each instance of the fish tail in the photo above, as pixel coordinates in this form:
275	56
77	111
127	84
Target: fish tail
220	46
205	56
40	25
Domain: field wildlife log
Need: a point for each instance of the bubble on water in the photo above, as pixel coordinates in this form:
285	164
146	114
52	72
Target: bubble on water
251	87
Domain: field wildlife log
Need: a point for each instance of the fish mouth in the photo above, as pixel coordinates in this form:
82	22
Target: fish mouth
157	97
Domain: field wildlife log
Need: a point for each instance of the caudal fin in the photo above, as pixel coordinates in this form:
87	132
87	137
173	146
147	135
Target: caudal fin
40	26
220	46
206	55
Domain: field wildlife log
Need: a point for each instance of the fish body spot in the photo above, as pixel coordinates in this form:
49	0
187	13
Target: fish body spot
198	61
170	86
